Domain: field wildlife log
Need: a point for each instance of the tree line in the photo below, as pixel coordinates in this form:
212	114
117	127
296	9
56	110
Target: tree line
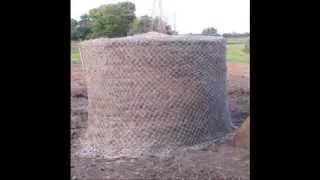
235	35
115	20
118	20
211	31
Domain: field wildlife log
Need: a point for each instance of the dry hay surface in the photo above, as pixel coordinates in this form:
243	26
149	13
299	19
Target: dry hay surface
222	161
242	137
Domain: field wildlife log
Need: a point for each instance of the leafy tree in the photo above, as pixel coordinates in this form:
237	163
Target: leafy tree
83	32
73	23
80	29
112	20
141	25
85	20
211	31
128	5
73	29
146	24
116	20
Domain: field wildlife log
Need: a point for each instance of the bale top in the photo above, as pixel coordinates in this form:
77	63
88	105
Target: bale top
151	37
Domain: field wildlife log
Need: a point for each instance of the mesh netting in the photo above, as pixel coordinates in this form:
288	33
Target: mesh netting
152	92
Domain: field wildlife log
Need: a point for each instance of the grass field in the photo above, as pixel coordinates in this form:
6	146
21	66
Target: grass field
234	51
240	40
75	55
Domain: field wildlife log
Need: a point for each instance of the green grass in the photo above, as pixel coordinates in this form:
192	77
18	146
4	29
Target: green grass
75	55
235	52
240	40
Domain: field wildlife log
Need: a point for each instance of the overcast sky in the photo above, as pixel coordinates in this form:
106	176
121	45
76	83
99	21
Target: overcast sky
191	15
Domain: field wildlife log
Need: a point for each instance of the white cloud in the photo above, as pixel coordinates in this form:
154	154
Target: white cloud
191	15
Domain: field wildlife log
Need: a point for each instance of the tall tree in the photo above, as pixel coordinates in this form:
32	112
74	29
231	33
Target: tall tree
112	20
84	29
127	5
146	23
85	20
141	25
73	29
210	31
73	23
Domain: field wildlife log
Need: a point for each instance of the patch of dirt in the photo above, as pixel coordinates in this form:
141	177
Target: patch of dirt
239	92
78	80
222	161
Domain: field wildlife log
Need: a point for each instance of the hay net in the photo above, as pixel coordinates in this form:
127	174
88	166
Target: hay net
152	92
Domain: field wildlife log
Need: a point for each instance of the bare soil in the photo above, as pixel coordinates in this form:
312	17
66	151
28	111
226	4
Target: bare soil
220	161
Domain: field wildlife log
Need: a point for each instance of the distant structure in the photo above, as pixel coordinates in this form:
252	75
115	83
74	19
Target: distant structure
175	22
157	5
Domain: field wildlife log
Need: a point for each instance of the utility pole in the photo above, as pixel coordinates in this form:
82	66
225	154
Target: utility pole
157	4
175	22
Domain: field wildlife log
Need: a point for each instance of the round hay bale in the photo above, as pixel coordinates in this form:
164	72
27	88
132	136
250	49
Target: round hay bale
152	92
242	138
